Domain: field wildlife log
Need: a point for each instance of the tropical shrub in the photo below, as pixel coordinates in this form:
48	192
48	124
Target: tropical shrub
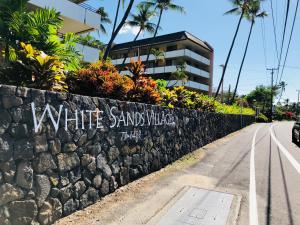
279	114
33	68
136	68
233	109
161	85
40	29
145	89
262	118
89	40
289	116
100	79
183	98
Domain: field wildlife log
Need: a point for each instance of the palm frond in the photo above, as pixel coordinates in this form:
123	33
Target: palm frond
176	8
233	11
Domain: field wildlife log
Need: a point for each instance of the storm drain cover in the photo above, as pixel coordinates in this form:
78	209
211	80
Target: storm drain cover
199	207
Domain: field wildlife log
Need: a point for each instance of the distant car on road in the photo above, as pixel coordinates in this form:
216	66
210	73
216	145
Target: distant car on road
296	133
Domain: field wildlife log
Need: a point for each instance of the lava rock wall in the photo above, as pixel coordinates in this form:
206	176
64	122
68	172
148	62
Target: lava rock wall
61	152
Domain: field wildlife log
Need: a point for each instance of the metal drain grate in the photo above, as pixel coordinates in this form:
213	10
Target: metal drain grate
199	207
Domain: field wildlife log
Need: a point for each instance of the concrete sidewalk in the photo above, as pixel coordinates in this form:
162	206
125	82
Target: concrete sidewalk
147	199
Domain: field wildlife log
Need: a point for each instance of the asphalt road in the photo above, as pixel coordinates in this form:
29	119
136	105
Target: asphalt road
259	163
275	198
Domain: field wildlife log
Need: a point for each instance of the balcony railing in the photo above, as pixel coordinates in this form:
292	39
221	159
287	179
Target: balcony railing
172	69
171	54
88	7
187	53
189	84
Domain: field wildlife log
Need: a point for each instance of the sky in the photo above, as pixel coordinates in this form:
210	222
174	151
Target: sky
205	19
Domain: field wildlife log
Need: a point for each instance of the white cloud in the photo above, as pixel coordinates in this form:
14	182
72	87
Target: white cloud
126	29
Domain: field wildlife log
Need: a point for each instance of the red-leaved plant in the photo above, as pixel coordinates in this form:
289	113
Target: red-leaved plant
101	79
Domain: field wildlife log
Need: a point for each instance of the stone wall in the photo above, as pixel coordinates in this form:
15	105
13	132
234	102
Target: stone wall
60	152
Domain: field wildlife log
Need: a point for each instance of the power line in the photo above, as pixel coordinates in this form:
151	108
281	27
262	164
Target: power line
283	36
293	67
274	29
263	32
290	39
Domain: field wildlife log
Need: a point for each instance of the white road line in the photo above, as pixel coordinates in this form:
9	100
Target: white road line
288	155
253	217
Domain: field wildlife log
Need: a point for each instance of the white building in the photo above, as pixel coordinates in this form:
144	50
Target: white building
178	47
78	18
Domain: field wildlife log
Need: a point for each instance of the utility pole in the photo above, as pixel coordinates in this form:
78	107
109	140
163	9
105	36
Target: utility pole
272	81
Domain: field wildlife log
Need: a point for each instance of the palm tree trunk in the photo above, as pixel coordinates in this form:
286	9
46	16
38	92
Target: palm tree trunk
129	49
6	53
229	94
116	17
242	64
154	36
229	54
114	35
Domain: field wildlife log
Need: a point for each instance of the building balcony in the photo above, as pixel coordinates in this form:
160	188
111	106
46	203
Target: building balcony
171	69
189	54
189	84
168	55
77	18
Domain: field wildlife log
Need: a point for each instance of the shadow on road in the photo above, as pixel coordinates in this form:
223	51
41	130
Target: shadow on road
269	202
240	160
287	197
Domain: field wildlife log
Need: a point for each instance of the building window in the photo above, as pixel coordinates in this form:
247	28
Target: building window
144	52
151	64
168	62
171	48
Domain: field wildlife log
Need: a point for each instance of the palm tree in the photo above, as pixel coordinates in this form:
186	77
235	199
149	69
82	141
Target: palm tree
117	14
281	86
141	20
286	103
161	6
7	11
117	30
103	19
253	13
180	73
241	7
159	56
